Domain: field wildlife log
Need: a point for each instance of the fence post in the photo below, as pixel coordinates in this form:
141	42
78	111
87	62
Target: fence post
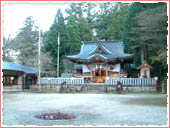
12	78
49	83
72	83
156	79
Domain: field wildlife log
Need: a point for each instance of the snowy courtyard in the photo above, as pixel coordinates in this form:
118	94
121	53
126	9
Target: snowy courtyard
20	108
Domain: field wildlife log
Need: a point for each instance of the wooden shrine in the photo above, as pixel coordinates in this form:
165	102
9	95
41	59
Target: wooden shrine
99	60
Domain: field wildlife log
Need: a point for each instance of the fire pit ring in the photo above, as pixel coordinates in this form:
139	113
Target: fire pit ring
55	116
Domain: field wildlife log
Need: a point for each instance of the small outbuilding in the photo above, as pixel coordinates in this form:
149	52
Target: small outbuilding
144	70
17	76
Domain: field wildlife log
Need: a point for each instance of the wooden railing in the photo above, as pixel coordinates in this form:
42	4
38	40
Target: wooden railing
60	80
132	81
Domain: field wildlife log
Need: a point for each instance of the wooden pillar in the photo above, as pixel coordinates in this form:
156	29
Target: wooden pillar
94	76
107	88
11	84
24	81
106	70
91	72
73	82
49	83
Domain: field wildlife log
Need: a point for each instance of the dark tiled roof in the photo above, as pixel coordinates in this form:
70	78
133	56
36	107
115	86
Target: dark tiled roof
116	48
18	67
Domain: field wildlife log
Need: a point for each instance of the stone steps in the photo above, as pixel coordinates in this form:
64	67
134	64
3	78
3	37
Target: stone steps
93	89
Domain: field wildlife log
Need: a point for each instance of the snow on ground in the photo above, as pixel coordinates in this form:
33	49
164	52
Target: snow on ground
20	108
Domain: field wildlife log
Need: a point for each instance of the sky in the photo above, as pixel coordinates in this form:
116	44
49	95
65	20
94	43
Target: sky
15	13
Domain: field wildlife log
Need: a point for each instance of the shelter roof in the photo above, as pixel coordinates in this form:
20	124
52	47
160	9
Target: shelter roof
18	67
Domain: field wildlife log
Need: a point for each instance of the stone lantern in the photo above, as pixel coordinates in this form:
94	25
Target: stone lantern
144	70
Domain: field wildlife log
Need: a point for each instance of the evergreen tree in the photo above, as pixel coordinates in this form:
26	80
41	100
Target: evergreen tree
51	41
91	13
145	31
80	14
76	10
84	30
110	20
6	50
26	43
74	35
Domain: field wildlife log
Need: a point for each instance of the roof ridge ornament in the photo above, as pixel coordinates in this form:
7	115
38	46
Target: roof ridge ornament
100	48
97	57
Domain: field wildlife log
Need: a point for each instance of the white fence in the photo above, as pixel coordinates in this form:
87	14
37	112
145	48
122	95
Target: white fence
132	81
110	81
60	80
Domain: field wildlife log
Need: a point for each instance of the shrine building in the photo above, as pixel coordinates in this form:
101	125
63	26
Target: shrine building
99	60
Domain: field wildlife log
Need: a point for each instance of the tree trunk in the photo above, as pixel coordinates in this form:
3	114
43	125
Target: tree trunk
135	58
145	53
142	55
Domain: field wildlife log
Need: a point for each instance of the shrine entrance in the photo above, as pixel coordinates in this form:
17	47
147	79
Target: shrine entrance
99	72
99	76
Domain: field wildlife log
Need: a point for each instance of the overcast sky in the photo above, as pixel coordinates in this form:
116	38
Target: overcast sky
15	13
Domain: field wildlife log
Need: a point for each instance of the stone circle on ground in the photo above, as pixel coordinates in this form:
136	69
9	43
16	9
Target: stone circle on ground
55	116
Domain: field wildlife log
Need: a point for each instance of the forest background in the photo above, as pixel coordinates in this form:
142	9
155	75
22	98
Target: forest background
141	26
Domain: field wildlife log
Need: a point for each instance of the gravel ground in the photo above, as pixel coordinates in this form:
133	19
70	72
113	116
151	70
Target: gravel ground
20	108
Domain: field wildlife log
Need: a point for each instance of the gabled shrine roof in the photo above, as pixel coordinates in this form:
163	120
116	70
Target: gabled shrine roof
110	51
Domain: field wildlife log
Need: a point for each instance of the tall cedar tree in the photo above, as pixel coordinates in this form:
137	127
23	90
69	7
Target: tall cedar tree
74	35
145	32
110	19
83	18
26	43
6	50
51	41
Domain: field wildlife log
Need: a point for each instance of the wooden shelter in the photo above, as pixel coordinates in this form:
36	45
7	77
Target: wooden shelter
99	60
19	76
